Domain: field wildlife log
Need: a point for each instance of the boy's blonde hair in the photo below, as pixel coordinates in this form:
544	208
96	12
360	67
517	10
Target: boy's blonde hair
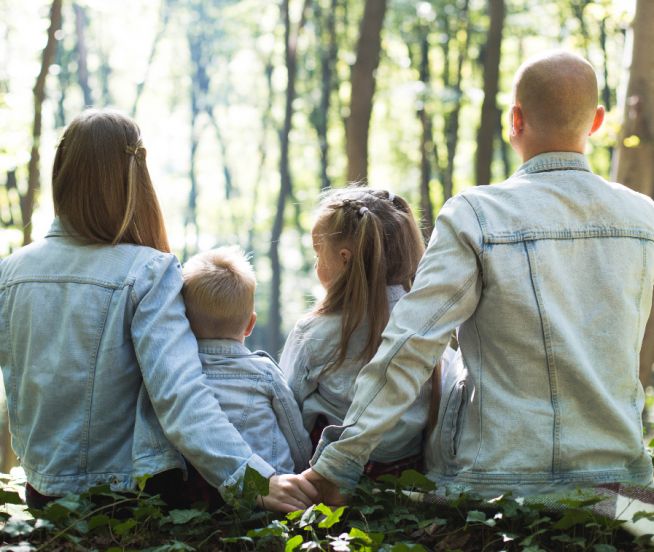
218	291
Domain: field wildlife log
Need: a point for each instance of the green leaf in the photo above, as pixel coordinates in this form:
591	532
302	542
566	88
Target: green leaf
573	517
293	543
331	516
99	520
182	517
10	497
141	481
643	515
414	479
604	548
407	547
125	527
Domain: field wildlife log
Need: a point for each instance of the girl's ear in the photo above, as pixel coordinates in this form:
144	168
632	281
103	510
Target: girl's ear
346	255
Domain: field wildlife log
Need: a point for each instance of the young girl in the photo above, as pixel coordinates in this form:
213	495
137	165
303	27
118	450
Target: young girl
367	246
103	379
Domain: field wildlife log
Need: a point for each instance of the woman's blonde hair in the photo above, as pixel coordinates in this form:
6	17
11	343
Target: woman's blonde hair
380	230
100	182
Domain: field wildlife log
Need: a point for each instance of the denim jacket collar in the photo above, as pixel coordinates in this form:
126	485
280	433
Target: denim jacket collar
554	161
57	229
222	347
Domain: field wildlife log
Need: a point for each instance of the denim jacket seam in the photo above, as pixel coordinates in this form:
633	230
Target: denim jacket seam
549	356
91	383
297	442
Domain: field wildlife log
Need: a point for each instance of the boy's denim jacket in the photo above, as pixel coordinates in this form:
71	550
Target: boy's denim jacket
549	276
320	389
256	398
102	372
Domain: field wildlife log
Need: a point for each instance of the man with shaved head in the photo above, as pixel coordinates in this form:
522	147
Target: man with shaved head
548	277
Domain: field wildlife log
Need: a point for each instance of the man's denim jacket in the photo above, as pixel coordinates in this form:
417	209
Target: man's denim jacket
256	398
549	276
321	389
102	372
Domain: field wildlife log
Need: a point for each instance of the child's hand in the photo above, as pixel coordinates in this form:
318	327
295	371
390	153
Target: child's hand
329	492
287	493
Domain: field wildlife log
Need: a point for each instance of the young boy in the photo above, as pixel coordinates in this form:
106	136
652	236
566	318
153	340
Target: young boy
219	295
549	278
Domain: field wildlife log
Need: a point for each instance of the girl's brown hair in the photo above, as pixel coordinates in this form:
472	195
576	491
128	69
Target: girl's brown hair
100	182
380	230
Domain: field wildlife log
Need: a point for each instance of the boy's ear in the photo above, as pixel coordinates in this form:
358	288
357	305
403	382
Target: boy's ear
346	255
598	120
250	326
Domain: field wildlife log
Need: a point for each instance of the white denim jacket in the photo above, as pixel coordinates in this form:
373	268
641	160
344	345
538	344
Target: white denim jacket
256	398
549	276
319	389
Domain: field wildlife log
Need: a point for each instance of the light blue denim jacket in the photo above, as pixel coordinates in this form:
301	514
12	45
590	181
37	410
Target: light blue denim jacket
256	398
102	372
549	276
305	361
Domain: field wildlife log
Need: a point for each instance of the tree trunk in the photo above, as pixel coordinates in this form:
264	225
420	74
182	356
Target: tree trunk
328	51
452	119
486	132
363	89
33	168
286	184
82	66
164	15
426	143
635	152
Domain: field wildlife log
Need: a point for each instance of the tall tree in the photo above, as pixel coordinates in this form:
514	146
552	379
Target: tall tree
33	169
286	183
635	152
489	111
82	65
363	89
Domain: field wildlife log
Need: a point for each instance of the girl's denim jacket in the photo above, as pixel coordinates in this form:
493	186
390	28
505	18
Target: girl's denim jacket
549	276
102	372
256	398
321	389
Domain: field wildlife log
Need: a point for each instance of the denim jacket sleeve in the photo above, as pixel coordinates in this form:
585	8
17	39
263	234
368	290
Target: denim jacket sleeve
186	407
290	422
295	363
445	293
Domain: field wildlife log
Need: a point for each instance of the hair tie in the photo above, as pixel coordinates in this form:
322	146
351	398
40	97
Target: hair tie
363	211
391	197
137	151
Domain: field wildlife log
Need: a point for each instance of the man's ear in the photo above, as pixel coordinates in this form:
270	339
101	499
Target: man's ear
346	255
598	120
517	120
250	326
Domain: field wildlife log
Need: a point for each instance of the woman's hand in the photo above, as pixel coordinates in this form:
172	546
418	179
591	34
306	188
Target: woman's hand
329	492
287	493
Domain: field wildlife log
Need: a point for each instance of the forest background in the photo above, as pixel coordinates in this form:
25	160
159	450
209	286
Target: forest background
249	109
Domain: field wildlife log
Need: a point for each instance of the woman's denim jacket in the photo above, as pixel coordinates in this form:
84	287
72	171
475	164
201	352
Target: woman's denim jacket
256	398
549	276
102	372
320	389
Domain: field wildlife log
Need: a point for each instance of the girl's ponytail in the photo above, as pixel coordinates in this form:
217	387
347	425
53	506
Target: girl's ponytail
380	231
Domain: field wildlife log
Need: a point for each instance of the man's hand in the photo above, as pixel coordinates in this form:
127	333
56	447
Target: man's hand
287	493
329	492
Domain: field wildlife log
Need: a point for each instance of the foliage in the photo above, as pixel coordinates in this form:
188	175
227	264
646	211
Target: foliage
388	515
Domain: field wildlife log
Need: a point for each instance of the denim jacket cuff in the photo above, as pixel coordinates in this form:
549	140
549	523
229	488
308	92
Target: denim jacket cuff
338	468
236	479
